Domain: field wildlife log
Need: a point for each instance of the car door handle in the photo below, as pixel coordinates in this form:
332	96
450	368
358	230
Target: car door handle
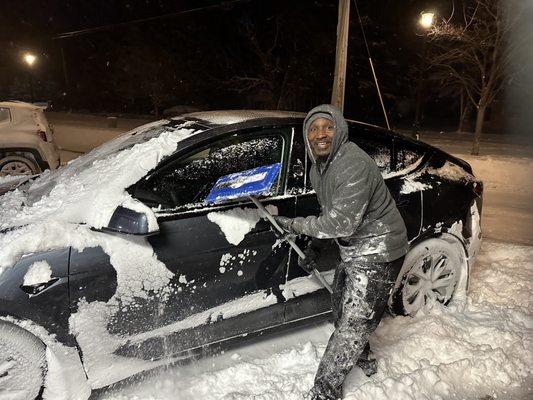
38	287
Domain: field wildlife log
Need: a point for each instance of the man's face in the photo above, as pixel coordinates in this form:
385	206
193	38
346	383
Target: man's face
320	135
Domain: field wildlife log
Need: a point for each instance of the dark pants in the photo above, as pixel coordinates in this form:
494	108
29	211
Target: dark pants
360	295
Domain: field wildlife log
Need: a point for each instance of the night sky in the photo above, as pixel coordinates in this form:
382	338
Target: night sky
233	54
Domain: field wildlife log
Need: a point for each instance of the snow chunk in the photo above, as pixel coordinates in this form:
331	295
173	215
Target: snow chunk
451	172
410	186
39	272
237	222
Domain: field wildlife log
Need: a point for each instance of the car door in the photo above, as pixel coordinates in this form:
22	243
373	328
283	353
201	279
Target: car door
228	263
306	298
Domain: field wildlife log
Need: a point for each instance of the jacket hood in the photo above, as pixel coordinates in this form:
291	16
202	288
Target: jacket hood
341	131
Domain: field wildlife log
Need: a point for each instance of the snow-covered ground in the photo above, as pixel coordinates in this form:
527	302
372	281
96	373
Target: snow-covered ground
464	351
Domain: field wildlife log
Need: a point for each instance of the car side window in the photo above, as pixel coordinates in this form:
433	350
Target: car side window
375	143
5	115
408	155
186	182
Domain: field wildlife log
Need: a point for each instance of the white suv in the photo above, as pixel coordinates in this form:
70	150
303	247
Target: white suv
26	140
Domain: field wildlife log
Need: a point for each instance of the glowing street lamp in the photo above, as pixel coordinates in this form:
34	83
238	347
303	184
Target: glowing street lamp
426	19
29	59
426	22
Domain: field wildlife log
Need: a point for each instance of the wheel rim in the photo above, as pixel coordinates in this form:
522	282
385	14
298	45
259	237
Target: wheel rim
16	168
433	278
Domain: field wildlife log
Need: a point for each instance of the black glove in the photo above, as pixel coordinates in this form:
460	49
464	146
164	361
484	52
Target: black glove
309	262
285	223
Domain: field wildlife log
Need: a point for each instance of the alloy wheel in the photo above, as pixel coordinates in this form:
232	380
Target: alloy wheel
433	278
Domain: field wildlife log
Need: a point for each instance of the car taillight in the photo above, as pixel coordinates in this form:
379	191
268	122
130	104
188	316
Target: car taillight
42	135
478	188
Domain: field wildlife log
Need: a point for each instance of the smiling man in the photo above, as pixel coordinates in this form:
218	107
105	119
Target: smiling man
357	211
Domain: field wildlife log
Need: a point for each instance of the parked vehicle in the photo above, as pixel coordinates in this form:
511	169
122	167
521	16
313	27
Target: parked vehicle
26	140
137	270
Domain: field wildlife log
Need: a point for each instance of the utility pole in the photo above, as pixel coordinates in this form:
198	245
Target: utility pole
341	55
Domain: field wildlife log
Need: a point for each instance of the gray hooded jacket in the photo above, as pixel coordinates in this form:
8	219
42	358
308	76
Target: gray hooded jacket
357	208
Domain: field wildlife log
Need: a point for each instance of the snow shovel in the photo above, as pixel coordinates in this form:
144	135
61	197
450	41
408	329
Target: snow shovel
252	183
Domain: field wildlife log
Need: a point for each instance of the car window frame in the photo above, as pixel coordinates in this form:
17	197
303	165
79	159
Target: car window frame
377	134
10	119
285	132
397	141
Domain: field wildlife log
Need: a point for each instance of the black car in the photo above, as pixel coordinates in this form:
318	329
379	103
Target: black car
168	276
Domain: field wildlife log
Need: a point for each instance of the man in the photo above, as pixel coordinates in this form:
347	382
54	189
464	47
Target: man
357	211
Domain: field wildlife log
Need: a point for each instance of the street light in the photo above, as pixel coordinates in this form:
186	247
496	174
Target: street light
426	22
426	19
30	60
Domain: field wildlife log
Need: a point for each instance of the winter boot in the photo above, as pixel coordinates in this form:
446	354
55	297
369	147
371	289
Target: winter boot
366	363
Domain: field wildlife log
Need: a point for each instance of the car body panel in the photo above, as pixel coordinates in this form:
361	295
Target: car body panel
49	306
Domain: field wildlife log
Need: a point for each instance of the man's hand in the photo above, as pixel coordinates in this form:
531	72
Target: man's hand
285	223
309	262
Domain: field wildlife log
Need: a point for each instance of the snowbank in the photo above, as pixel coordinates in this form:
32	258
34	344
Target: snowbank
471	350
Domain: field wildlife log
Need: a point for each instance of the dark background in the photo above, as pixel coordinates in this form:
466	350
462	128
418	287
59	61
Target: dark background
264	54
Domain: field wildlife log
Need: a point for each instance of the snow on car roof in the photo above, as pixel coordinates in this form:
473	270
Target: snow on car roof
20	104
227	117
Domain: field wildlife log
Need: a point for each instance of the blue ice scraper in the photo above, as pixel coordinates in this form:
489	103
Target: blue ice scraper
252	183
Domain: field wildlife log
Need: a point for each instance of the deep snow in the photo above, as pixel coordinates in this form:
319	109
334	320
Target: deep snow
469	350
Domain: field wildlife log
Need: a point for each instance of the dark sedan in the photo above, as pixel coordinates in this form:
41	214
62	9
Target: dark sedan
167	276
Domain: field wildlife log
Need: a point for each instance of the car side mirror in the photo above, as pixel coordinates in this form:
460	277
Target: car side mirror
131	222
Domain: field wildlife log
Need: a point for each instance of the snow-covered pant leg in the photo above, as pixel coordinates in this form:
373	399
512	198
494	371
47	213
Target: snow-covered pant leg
359	299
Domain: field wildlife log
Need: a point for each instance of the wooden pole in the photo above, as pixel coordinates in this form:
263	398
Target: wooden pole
341	55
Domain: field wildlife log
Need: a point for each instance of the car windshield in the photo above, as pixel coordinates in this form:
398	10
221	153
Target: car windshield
44	184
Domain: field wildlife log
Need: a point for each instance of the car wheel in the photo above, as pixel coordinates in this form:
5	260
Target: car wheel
433	271
22	363
18	165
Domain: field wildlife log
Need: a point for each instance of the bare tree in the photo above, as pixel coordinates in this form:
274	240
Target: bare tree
266	71
473	54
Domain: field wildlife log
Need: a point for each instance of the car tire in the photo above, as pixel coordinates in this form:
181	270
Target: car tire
22	363
433	270
14	164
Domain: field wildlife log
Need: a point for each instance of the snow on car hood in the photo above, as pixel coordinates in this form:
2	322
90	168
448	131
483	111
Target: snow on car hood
88	189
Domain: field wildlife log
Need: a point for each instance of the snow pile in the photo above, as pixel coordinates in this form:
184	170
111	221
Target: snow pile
236	223
469	351
39	272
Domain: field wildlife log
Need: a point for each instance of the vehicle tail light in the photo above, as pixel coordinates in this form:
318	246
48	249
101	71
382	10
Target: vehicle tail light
478	188
42	135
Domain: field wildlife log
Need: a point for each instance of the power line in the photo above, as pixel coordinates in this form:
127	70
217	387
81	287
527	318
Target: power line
372	66
81	32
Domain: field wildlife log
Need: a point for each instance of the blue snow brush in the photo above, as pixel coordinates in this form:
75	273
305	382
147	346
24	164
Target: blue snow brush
254	182
250	184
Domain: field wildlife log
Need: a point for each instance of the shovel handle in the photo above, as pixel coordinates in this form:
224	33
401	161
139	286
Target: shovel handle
291	242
